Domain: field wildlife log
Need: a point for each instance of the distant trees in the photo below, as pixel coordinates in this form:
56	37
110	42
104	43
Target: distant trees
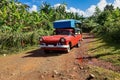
107	23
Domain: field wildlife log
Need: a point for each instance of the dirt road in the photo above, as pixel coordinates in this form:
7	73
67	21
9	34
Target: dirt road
36	65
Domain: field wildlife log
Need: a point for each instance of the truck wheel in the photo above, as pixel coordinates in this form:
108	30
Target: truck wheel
78	44
68	49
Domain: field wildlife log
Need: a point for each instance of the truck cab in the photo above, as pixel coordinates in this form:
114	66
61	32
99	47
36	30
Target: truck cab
65	36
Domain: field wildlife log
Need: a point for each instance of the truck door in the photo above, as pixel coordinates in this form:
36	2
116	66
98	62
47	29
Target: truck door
78	35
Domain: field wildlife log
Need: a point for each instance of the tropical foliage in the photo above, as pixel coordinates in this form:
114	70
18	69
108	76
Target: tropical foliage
20	28
105	23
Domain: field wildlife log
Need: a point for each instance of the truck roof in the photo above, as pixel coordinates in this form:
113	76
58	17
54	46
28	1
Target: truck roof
71	20
68	23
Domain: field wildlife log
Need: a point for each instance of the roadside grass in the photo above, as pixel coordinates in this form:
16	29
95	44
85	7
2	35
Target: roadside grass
17	51
19	41
106	51
103	74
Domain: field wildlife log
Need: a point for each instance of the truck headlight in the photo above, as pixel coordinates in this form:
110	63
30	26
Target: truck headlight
62	40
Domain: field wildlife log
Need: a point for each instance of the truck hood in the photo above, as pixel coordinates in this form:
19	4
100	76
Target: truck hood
53	39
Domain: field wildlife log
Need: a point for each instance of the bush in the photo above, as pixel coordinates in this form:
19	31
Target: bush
20	40
109	25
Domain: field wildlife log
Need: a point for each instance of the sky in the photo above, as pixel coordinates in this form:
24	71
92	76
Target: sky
82	7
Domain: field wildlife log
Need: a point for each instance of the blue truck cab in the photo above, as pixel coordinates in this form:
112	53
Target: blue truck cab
70	23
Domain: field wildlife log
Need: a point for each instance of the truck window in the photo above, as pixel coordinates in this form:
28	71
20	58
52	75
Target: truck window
62	32
78	31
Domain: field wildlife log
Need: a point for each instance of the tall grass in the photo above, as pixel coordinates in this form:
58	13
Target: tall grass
13	41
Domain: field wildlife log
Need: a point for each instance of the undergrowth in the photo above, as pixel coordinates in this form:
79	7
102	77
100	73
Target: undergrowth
105	50
12	42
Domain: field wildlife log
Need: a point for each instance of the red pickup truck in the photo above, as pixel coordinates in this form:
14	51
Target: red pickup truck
65	36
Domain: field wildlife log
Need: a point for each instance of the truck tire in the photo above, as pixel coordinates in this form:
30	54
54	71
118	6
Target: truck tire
68	49
78	44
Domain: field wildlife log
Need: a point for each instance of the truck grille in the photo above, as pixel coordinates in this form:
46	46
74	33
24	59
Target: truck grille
51	44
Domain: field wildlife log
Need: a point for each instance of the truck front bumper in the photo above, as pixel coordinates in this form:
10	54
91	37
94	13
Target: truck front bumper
53	47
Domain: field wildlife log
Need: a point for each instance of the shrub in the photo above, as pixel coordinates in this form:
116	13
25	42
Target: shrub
18	40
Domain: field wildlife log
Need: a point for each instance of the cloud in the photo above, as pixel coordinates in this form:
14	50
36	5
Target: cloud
90	11
56	5
33	8
71	9
116	4
74	10
86	13
102	4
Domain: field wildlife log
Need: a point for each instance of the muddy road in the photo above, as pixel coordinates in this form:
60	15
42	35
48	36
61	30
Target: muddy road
36	65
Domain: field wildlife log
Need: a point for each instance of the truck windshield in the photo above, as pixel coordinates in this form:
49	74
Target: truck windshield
62	32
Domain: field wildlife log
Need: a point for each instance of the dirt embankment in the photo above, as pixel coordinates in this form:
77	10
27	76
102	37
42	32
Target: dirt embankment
36	65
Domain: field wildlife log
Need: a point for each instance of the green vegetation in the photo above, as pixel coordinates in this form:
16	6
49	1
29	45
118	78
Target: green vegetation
105	23
20	28
104	74
106	26
106	51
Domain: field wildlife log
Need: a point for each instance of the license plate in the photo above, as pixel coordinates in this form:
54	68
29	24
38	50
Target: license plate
50	45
